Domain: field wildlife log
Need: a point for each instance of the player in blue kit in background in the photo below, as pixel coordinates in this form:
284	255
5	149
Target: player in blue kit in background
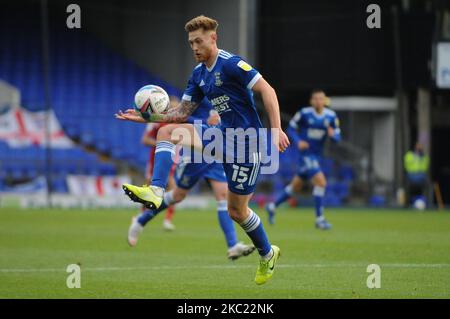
308	130
228	82
187	174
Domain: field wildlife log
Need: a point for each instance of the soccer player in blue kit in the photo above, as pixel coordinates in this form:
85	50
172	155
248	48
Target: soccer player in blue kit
228	82
187	174
308	130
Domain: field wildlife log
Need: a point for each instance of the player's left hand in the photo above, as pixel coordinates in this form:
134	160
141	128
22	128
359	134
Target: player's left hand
283	141
330	131
129	115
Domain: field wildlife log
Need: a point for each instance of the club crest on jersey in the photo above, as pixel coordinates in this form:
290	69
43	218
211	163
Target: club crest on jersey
244	66
218	79
326	122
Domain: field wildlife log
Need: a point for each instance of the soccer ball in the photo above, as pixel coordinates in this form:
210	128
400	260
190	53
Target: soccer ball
419	204
151	99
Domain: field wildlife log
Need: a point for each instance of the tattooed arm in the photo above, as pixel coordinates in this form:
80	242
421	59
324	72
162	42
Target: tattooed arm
178	114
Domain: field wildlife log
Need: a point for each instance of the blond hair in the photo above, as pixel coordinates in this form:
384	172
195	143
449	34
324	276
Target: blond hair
201	22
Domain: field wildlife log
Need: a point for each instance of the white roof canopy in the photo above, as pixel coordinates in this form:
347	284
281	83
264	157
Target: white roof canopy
363	103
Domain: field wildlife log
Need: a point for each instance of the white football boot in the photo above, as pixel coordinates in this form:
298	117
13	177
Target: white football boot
134	231
168	225
239	250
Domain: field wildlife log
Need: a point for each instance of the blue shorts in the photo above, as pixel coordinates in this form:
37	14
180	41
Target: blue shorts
308	166
241	175
188	174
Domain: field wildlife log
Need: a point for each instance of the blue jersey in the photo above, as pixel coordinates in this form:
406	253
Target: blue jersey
311	127
227	85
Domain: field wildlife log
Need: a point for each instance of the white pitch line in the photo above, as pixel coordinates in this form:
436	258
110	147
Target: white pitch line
156	268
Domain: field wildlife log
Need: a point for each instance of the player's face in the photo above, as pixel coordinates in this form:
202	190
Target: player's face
202	44
419	148
318	100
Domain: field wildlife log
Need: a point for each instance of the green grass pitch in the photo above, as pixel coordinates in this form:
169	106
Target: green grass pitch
412	249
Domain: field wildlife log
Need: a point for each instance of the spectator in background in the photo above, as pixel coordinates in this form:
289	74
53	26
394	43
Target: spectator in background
416	164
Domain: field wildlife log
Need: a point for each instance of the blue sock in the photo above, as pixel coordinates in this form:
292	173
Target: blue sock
163	163
149	214
318	193
146	216
226	223
255	230
284	196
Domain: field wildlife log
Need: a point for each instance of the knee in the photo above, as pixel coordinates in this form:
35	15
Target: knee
237	214
322	183
179	196
221	196
165	133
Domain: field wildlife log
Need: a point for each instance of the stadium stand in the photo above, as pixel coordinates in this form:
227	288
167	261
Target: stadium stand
89	83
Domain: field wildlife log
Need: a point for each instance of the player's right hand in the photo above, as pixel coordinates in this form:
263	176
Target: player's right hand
129	115
283	141
303	145
330	131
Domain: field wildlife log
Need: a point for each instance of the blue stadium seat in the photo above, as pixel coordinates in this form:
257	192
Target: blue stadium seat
58	184
31	171
331	200
340	189
327	166
346	173
108	169
16	170
377	201
87	78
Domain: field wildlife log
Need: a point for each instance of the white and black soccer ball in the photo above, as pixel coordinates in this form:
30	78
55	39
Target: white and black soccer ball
151	99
